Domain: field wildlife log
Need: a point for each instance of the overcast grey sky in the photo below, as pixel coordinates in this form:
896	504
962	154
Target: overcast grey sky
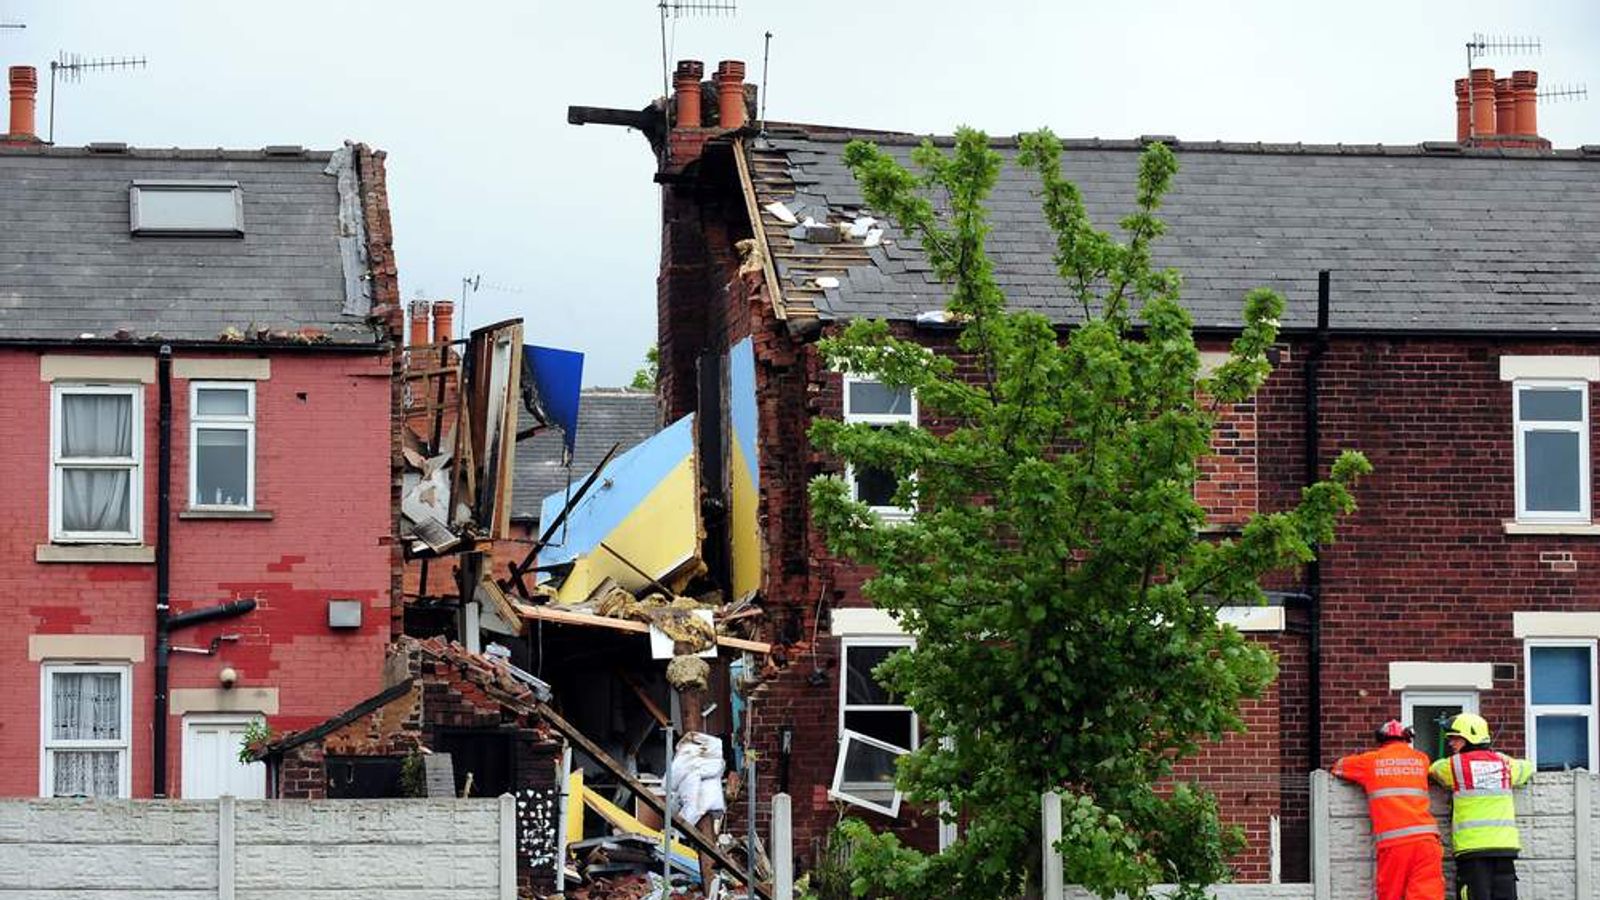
485	176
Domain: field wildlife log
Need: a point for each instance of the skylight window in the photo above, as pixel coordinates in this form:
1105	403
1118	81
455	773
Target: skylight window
207	208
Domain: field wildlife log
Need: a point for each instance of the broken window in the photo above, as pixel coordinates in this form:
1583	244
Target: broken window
202	208
875	727
86	723
222	442
95	452
877	404
1552	452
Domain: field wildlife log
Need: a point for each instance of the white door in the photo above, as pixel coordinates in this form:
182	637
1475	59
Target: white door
211	764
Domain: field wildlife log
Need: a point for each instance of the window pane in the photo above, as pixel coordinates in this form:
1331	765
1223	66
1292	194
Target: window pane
866	766
873	398
85	773
1551	405
1550	463
1560	675
222	402
96	425
875	487
891	727
95	500
86	706
222	467
1430	723
209	209
861	687
1563	742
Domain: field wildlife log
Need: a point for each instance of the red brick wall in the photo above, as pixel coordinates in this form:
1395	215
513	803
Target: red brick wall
322	454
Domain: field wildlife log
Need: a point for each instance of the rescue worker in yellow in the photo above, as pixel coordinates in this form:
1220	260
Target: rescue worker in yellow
1482	812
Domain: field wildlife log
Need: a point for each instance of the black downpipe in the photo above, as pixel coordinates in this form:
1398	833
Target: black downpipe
1319	346
166	623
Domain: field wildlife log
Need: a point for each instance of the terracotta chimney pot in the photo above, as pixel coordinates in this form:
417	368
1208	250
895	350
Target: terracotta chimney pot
419	323
730	94
1525	89
444	321
24	94
1463	112
686	91
1505	108
1482	103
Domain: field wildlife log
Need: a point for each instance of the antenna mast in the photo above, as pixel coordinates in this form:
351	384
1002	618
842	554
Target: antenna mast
1482	45
678	9
71	66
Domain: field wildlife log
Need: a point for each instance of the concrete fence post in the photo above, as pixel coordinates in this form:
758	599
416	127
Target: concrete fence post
225	848
508	847
1321	828
1054	874
782	849
1582	834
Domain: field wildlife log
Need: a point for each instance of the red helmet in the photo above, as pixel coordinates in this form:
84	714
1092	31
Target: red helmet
1393	730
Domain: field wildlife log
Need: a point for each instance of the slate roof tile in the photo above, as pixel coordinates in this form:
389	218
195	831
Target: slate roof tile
605	416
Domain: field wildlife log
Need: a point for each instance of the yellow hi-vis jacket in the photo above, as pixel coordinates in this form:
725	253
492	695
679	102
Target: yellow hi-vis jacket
1482	812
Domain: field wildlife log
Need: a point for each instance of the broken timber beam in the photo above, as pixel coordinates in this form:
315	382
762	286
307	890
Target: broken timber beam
550	613
643	794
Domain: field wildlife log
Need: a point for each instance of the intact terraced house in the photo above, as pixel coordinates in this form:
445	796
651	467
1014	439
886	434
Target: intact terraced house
1456	342
197	364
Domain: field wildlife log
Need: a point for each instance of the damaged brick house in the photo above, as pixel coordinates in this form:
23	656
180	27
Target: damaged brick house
196	346
1454	341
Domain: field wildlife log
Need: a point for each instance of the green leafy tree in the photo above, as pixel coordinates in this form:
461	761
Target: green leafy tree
1054	574
644	378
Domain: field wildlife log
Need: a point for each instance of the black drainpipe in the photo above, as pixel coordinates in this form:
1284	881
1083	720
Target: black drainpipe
1319	346
165	622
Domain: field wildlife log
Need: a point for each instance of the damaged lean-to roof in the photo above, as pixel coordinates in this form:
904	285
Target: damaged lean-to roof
1473	241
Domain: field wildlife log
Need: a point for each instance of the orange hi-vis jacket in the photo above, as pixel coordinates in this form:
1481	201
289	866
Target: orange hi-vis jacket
1395	777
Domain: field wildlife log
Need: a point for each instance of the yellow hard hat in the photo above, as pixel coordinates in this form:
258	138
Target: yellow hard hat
1469	727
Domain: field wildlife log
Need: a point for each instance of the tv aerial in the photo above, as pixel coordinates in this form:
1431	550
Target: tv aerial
679	9
70	67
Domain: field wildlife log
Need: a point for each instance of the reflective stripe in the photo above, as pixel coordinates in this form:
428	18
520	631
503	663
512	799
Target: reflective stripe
1458	776
1405	832
1484	792
1397	792
1485	823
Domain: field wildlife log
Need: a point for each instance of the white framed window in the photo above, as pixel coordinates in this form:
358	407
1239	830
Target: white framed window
222	445
1552	450
875	726
1561	713
202	208
872	402
87	716
96	456
1428	713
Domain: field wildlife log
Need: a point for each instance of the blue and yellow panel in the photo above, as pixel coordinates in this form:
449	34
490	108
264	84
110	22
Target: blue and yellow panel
644	506
746	472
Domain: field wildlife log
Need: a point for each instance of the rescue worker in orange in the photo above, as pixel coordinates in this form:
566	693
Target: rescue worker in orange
1395	777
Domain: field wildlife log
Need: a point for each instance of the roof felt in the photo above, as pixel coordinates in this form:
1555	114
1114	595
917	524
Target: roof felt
1416	239
70	267
606	416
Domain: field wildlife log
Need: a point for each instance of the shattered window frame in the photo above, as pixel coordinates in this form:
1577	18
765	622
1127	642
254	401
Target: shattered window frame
50	746
133	463
855	792
887	513
222	422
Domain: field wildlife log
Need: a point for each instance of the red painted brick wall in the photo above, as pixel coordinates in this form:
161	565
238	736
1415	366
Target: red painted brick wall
322	461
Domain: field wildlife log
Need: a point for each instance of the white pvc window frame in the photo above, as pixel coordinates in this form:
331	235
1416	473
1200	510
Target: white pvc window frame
144	220
887	513
841	789
1411	698
1521	431
1590	711
245	423
48	746
133	464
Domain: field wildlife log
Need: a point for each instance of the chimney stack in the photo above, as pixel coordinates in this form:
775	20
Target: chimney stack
1482	103
419	323
1524	88
686	91
1505	108
444	321
730	94
24	94
1502	112
1463	112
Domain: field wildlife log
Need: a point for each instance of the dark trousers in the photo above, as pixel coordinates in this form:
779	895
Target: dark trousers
1486	878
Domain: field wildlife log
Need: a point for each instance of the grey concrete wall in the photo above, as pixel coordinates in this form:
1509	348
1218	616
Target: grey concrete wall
257	849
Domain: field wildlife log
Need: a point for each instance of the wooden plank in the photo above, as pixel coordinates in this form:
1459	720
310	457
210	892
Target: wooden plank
564	617
753	209
644	795
742	644
650	706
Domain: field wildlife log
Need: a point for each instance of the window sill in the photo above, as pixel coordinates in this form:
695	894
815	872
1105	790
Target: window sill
1553	528
139	554
257	514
